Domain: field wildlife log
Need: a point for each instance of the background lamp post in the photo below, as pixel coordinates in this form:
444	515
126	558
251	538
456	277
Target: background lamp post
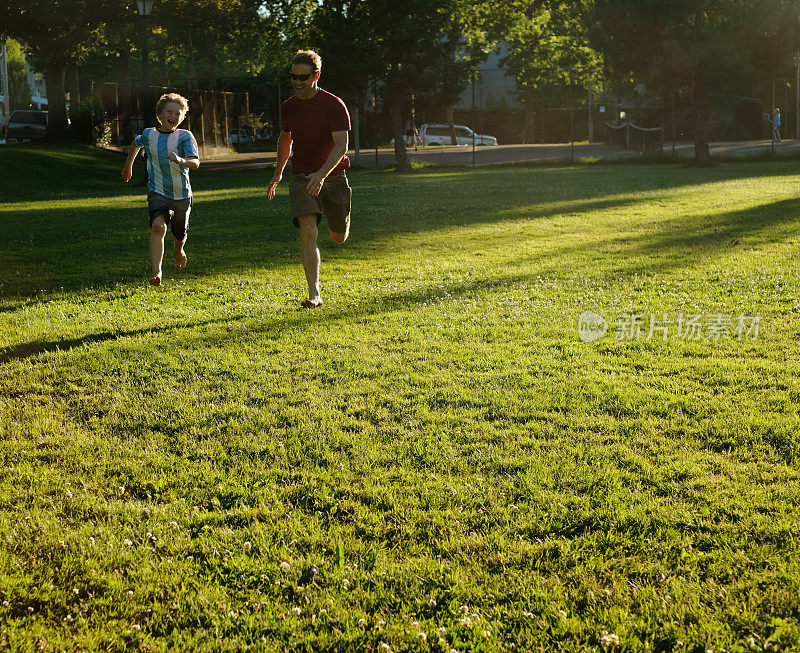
145	10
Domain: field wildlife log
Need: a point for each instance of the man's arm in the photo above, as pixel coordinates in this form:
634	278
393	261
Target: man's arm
284	152
316	179
127	169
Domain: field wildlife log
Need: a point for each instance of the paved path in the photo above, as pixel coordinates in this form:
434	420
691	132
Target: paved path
555	152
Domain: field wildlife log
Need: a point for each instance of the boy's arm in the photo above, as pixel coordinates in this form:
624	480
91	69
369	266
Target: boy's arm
127	169
316	179
284	152
191	162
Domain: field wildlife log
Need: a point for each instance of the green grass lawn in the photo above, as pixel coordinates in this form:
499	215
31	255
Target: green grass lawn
433	460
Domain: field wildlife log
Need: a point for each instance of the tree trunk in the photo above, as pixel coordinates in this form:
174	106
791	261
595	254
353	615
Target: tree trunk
213	64
125	92
161	50
400	154
451	125
73	87
191	68
701	110
57	129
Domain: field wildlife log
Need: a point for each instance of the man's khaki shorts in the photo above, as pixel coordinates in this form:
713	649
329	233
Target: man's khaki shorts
333	201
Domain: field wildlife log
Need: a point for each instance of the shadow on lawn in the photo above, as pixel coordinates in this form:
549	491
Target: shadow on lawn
28	349
74	252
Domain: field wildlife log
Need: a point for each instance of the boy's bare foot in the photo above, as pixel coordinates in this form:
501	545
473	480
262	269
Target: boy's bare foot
311	303
180	258
156	280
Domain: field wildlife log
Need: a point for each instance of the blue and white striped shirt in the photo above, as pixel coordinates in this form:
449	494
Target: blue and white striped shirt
164	176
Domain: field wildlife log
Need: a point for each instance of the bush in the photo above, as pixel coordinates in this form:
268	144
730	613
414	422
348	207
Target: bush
83	116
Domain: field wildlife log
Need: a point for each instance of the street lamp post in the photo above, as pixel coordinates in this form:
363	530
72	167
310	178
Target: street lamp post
145	8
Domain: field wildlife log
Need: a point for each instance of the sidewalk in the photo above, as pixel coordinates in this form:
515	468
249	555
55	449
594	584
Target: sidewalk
489	155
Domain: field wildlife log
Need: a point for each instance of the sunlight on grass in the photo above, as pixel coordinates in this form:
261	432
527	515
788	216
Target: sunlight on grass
433	451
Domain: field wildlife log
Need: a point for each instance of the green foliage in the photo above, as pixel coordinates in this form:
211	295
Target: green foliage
87	115
431	453
18	88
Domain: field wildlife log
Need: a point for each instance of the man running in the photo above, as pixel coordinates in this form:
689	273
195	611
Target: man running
314	130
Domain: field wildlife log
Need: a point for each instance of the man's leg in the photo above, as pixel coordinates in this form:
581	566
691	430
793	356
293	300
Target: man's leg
157	232
309	256
337	237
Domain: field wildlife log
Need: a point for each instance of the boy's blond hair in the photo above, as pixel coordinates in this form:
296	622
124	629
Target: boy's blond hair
181	101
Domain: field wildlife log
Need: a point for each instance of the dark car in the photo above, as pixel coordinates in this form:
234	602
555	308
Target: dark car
26	124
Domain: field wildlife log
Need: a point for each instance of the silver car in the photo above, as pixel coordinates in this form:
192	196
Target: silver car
26	124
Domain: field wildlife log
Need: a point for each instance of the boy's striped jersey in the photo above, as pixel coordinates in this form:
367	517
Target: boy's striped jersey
164	176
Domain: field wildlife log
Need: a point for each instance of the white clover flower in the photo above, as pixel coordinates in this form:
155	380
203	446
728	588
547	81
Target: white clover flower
383	646
362	621
127	542
464	609
345	583
528	615
136	627
297	610
68	618
442	631
247	546
415	624
130	592
751	642
563	614
285	567
422	636
442	642
486	634
609	639
432	603
233	615
466	622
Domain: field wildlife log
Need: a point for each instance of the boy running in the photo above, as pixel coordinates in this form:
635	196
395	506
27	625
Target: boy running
171	153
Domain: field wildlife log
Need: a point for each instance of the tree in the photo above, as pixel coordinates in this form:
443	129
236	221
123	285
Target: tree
416	47
693	45
19	90
57	33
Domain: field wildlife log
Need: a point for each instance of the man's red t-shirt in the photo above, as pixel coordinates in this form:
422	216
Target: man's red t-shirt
311	123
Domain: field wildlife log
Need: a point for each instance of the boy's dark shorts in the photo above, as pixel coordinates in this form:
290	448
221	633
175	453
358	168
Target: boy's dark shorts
333	201
175	212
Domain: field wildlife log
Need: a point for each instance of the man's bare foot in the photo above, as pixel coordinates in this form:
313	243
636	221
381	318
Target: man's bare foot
156	280
311	303
180	258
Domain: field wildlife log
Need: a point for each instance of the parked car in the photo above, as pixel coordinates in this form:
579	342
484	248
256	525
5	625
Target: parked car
239	137
26	124
435	134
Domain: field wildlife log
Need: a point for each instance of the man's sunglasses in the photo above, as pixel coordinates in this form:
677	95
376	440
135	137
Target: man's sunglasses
300	78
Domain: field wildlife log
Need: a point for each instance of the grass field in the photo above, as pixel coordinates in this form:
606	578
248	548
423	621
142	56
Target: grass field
433	460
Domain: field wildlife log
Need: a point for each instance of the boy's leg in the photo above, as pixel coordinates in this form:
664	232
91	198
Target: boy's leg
157	232
179	225
309	256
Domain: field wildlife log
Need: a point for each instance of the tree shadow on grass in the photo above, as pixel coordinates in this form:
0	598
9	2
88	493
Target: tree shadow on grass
36	347
73	249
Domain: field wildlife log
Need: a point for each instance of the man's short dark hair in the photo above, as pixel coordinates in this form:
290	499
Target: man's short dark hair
308	57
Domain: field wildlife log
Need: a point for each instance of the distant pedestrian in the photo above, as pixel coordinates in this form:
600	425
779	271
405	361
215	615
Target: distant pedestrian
314	133
171	153
776	125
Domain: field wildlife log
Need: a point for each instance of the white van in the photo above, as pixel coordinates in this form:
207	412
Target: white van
436	134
